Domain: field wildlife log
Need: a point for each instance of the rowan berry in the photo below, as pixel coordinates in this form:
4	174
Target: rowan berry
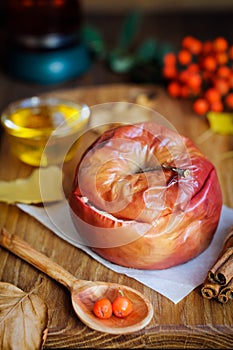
174	89
212	95
200	106
229	100
103	308
184	57
122	306
220	44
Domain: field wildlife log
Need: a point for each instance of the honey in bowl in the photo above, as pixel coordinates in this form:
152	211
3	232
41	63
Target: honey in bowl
44	131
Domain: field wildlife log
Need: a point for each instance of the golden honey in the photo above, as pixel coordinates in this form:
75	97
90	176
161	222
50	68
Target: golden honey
44	132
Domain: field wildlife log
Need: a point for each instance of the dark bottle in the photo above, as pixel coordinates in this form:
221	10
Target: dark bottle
43	40
44	23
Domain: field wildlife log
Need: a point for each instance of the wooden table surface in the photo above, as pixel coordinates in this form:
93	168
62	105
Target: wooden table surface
192	323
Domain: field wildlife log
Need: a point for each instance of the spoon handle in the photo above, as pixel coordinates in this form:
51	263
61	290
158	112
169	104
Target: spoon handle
22	249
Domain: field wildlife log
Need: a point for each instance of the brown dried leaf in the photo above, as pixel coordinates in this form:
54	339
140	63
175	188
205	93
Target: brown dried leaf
23	319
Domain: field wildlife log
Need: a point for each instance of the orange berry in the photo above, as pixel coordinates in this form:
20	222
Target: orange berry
169	72
192	44
200	106
210	63
216	106
193	67
174	89
184	91
122	306
224	72
212	95
103	308
169	59
196	47
222	85
230	80
187	41
194	81
231	52
184	57
222	58
220	44
207	47
229	100
183	76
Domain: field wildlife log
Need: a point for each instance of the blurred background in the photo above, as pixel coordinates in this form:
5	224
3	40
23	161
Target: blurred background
57	44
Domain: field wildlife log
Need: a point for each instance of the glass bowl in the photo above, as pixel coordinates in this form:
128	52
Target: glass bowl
44	131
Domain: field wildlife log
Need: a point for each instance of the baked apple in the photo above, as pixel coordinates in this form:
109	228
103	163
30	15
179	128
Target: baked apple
145	197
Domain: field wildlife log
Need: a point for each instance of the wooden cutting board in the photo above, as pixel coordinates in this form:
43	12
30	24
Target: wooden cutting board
192	323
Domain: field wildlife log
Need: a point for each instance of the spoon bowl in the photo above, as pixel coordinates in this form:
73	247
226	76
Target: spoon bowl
85	293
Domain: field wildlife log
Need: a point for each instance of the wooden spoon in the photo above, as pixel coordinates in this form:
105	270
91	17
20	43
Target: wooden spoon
85	293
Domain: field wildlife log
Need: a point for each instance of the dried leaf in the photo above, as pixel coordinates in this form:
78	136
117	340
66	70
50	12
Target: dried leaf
28	190
23	319
221	123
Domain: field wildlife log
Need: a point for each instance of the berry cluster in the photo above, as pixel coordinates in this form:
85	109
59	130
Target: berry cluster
202	71
121	307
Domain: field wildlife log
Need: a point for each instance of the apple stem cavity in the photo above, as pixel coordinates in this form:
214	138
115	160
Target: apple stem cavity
179	171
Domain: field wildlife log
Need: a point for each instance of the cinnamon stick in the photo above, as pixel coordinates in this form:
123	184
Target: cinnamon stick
219	281
222	271
210	290
226	292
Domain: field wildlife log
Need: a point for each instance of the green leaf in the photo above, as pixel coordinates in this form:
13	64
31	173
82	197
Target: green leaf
120	62
129	30
147	51
93	40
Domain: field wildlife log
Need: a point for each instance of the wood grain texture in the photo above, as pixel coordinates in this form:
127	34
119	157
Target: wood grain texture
192	323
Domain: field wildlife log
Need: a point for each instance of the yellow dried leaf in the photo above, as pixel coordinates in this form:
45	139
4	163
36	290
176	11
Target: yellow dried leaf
28	190
221	123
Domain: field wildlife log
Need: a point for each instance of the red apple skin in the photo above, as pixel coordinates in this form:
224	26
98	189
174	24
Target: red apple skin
159	227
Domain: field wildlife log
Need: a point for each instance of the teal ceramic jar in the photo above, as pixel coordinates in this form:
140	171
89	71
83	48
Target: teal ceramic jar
49	66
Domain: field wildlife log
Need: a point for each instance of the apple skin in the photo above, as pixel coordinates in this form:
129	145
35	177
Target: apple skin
158	219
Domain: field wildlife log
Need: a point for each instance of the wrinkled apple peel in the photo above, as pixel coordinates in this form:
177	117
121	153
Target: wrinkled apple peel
28	190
